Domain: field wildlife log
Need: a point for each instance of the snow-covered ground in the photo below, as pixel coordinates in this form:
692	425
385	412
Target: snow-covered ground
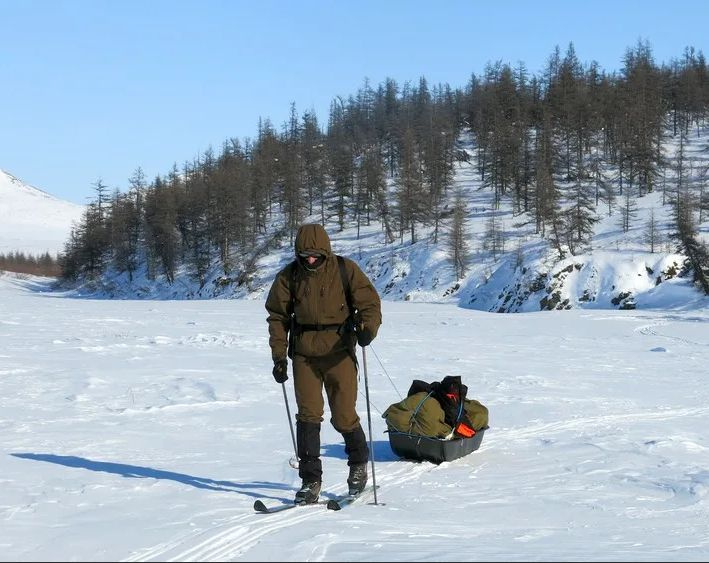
145	431
33	221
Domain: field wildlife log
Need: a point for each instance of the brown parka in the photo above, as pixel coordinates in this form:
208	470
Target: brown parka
319	300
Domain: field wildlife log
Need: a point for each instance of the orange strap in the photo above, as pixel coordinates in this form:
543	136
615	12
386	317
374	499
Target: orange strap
465	430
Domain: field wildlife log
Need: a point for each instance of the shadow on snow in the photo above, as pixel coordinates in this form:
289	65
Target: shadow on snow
382	451
140	472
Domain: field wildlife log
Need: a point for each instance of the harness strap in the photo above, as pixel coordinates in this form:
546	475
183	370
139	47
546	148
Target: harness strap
318	328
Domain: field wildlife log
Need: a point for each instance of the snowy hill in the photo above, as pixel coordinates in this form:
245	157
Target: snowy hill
618	270
33	221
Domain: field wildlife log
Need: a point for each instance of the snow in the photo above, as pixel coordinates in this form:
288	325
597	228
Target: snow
31	220
138	430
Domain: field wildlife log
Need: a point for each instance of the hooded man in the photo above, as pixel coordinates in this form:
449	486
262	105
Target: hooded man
309	321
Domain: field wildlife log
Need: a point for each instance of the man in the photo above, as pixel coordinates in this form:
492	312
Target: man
321	338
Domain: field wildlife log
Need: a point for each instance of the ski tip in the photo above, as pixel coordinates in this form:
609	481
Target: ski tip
260	507
333	505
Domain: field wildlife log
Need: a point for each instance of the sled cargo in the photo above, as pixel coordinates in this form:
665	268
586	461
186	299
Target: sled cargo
425	448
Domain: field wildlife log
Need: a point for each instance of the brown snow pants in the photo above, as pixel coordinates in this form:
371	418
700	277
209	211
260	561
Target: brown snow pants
338	374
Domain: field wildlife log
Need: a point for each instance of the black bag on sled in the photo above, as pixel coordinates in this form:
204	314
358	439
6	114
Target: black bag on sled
436	422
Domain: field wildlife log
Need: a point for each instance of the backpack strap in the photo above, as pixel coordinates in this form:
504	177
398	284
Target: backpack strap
291	286
291	308
349	325
345	283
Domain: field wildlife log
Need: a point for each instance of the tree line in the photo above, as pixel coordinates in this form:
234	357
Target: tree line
37	265
560	146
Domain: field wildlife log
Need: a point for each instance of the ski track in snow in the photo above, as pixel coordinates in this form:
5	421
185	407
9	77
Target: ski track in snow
536	430
236	538
651	330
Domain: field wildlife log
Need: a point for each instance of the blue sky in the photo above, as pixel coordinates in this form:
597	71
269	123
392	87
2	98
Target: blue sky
93	89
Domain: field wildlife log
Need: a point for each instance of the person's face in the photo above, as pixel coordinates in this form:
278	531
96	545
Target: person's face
311	260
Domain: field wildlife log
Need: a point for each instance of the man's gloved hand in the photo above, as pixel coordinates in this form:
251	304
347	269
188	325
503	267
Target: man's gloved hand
280	370
364	336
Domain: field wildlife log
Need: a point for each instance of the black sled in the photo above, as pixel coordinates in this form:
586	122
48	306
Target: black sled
435	450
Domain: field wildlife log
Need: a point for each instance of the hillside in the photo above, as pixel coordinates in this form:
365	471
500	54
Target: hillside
617	271
31	220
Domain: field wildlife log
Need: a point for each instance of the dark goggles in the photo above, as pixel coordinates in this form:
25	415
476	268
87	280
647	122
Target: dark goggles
309	254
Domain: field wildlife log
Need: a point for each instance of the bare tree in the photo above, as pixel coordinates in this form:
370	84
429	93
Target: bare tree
652	232
581	217
628	209
457	238
494	236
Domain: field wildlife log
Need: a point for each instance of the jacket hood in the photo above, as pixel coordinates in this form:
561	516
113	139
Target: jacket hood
313	238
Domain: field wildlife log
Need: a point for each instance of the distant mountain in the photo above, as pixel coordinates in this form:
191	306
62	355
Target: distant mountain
31	220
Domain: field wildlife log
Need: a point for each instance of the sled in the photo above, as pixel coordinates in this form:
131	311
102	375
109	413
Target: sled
424	448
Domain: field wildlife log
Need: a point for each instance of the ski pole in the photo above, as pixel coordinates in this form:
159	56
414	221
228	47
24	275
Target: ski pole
369	420
290	425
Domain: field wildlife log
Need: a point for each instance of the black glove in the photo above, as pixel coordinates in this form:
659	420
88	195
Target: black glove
364	336
280	370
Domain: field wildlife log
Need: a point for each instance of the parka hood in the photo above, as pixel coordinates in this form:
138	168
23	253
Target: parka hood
313	238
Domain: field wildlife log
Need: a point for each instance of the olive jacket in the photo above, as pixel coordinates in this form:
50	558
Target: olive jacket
319	300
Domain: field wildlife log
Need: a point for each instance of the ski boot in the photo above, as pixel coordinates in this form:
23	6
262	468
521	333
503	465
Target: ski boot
308	493
357	479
